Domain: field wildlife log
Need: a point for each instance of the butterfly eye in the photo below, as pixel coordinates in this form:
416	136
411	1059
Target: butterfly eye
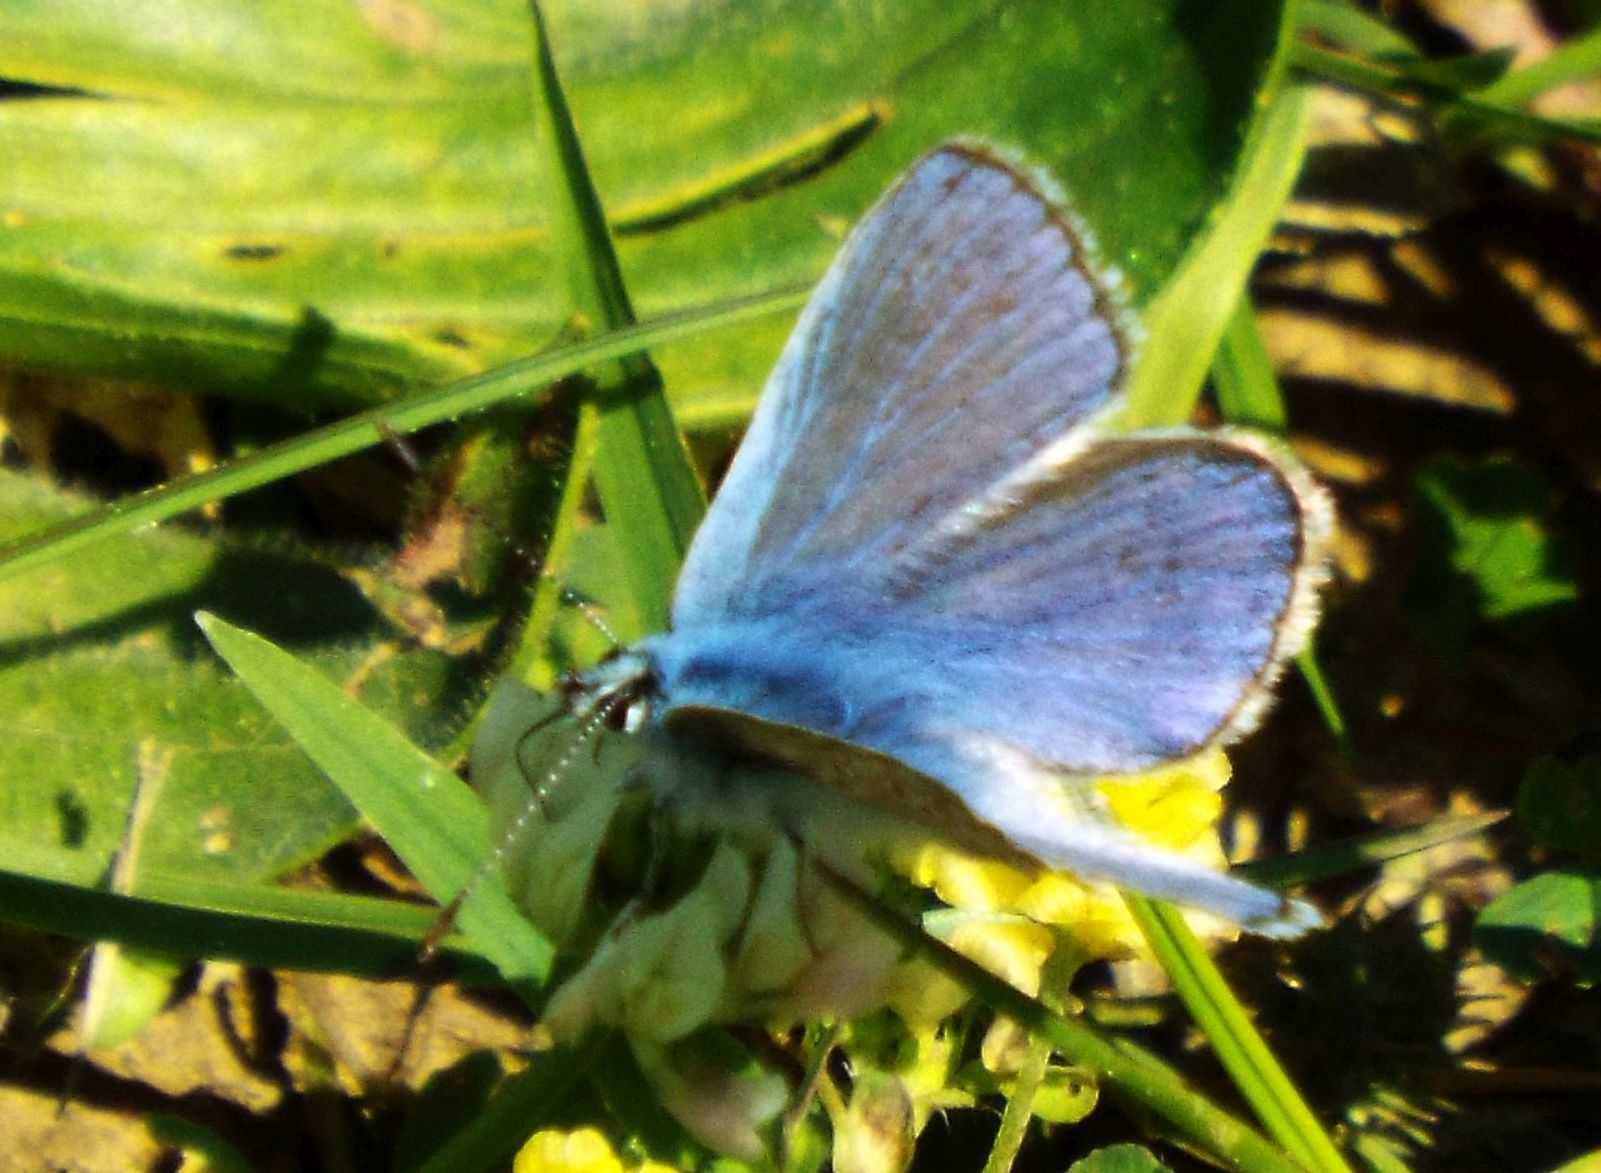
631	716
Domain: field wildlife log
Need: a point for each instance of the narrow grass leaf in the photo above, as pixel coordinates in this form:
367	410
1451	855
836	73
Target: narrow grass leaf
437	826
53	890
1185	322
515	1112
1576	59
1352	28
1362	851
370	428
640	464
1242	1051
1242	376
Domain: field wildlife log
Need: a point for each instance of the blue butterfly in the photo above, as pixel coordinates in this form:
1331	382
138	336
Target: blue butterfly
932	546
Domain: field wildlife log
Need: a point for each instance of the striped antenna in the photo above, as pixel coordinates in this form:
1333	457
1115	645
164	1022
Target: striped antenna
602	712
592	615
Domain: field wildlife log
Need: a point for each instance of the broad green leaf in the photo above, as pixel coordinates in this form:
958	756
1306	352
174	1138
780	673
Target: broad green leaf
1545	924
321	202
104	663
1486	546
124	988
103	658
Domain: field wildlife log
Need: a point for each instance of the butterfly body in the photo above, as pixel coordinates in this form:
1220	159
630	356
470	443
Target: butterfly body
937	580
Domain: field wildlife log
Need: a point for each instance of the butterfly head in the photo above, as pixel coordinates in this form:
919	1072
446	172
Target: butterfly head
617	692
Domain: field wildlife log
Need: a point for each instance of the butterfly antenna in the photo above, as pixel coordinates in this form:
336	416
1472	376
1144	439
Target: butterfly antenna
598	716
403	448
592	615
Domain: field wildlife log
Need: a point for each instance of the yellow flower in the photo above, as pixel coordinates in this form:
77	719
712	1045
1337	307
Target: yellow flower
1011	922
1176	806
551	1151
585	1150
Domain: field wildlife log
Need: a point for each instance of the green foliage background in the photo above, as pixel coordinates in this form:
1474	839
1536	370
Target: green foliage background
279	213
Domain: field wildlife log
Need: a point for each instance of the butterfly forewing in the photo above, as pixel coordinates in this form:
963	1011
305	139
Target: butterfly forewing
958	332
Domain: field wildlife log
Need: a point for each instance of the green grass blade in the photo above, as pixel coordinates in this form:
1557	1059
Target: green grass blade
641	466
1185	323
520	1104
1351	27
437	826
1323	697
1247	390
1363	851
1242	1051
52	890
1574	60
1499	115
369	428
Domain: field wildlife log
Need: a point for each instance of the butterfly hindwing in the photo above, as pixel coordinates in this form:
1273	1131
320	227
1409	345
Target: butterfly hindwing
1136	603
